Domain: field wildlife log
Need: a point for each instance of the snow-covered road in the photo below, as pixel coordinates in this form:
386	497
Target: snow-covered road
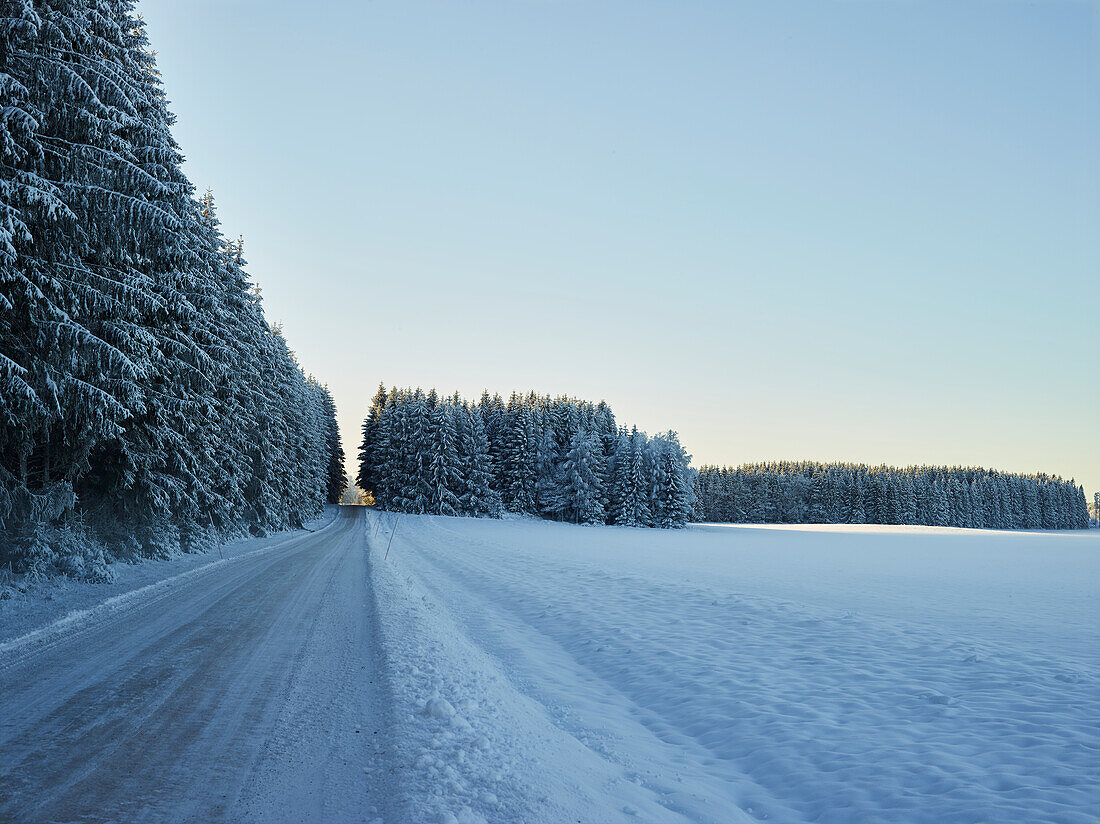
523	671
247	692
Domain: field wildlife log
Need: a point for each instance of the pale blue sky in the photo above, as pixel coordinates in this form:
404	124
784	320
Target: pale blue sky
838	230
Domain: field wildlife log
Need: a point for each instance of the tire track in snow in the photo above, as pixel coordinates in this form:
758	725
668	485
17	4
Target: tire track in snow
233	698
95	619
471	745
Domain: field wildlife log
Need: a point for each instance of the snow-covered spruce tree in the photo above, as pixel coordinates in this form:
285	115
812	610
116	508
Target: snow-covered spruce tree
674	491
336	477
133	361
518	465
420	457
854	493
817	512
558	458
70	333
444	468
549	482
388	452
582	483
494	418
630	498
367	476
225	453
669	499
374	452
479	497
391	450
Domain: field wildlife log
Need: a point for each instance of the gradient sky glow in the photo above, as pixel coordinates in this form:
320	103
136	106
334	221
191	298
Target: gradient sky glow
846	230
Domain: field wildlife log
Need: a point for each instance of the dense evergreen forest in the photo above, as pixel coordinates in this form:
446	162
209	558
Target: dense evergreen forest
146	406
816	493
563	459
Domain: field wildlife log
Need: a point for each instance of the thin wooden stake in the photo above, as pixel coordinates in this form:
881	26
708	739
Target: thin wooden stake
398	521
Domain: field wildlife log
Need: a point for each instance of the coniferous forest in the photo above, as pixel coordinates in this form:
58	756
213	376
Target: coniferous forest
146	405
816	493
562	459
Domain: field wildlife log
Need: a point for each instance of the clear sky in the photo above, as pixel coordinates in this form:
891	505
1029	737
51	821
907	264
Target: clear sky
846	230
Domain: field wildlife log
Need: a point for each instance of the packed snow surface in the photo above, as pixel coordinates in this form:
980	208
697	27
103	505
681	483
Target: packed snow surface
523	671
235	690
546	672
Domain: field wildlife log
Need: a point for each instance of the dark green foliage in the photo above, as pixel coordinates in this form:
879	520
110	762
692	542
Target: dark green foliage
563	459
145	403
807	492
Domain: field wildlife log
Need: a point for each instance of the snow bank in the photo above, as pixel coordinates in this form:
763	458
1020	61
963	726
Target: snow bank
471	746
543	672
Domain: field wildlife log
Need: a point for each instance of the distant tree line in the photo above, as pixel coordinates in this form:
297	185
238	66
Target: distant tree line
562	459
145	403
814	493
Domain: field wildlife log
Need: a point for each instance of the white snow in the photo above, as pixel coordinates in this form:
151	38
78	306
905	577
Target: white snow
546	672
498	671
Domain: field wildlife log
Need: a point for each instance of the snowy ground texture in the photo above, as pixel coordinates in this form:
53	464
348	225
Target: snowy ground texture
545	672
525	671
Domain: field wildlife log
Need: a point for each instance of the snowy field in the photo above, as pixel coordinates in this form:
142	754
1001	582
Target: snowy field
524	671
546	672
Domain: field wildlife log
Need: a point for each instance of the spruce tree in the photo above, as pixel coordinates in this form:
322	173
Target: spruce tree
444	468
631	501
336	478
479	495
367	476
581	488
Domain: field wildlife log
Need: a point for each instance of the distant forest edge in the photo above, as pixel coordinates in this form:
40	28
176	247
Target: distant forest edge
563	459
815	493
568	460
146	406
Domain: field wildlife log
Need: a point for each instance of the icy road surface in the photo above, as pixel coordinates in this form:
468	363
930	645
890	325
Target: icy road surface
522	671
245	691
